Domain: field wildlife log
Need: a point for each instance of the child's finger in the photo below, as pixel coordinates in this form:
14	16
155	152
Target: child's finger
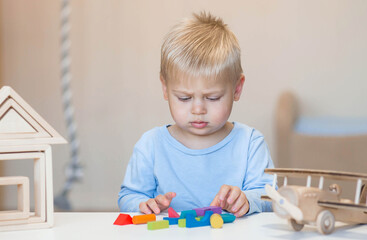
170	195
162	201
233	195
241	200
143	207
152	204
215	201
222	194
165	200
243	210
223	191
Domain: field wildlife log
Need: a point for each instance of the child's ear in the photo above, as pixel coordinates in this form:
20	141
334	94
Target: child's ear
239	87
164	88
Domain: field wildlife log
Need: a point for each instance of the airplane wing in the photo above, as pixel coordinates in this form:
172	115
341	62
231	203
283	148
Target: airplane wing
297	172
349	206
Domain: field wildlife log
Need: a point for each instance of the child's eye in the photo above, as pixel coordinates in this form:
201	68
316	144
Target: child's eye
213	98
184	99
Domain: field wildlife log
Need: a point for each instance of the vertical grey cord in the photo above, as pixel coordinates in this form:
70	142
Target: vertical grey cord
73	171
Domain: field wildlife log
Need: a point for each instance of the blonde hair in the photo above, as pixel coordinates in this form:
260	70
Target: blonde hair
201	46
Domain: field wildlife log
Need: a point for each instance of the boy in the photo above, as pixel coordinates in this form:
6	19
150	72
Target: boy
202	159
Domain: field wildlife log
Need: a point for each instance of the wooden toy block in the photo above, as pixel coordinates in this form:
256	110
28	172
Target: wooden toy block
216	220
41	155
158	225
228	218
185	213
172	221
23	198
41	180
26	135
20	124
123	219
172	213
191	222
141	219
182	222
201	211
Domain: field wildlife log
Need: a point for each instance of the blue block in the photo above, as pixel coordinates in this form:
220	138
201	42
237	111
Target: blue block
185	213
191	222
172	221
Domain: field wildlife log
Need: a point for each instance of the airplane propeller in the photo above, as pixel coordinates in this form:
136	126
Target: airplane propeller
294	211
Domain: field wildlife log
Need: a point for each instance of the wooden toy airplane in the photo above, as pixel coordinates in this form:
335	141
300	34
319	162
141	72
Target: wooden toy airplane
313	205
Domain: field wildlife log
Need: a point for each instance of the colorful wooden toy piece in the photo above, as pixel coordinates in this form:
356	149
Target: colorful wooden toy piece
172	213
123	219
228	218
172	221
155	225
182	222
185	213
141	219
191	222
201	211
216	220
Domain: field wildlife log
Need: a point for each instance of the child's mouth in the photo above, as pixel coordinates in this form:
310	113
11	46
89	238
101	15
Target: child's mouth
199	124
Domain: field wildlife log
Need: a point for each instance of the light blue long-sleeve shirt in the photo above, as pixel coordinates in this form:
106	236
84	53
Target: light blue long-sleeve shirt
160	164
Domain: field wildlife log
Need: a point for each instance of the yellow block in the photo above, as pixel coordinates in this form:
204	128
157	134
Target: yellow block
216	221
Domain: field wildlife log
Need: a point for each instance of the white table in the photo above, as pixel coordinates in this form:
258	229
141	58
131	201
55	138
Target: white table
89	226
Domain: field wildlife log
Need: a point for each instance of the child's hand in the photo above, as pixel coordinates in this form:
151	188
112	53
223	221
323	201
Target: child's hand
232	199
157	204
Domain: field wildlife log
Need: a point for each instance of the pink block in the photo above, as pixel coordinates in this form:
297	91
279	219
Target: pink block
172	213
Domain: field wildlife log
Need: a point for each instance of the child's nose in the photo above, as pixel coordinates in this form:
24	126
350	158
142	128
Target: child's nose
198	107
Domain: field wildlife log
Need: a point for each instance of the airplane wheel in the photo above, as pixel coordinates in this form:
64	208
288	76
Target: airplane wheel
325	222
296	226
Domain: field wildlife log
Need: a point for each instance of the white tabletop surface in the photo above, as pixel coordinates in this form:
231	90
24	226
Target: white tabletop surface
89	226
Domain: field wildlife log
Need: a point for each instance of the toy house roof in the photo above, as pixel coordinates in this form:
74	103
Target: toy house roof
20	124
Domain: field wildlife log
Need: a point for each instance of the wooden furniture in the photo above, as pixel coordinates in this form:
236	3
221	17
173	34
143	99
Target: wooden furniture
300	150
75	226
310	151
25	135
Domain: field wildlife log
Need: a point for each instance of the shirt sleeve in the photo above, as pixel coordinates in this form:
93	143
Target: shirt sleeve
255	180
139	183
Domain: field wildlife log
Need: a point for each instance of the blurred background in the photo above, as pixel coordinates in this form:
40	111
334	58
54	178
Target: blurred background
315	49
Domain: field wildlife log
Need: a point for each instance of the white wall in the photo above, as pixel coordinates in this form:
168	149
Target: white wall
315	48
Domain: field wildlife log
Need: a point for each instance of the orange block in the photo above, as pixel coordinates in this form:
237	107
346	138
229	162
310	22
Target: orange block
141	219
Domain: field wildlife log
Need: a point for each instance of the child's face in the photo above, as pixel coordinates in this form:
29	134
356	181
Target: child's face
201	106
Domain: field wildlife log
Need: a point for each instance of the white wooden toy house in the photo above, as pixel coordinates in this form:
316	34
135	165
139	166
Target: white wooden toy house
25	135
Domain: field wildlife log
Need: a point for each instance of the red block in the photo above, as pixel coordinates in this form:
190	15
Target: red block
123	219
172	213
